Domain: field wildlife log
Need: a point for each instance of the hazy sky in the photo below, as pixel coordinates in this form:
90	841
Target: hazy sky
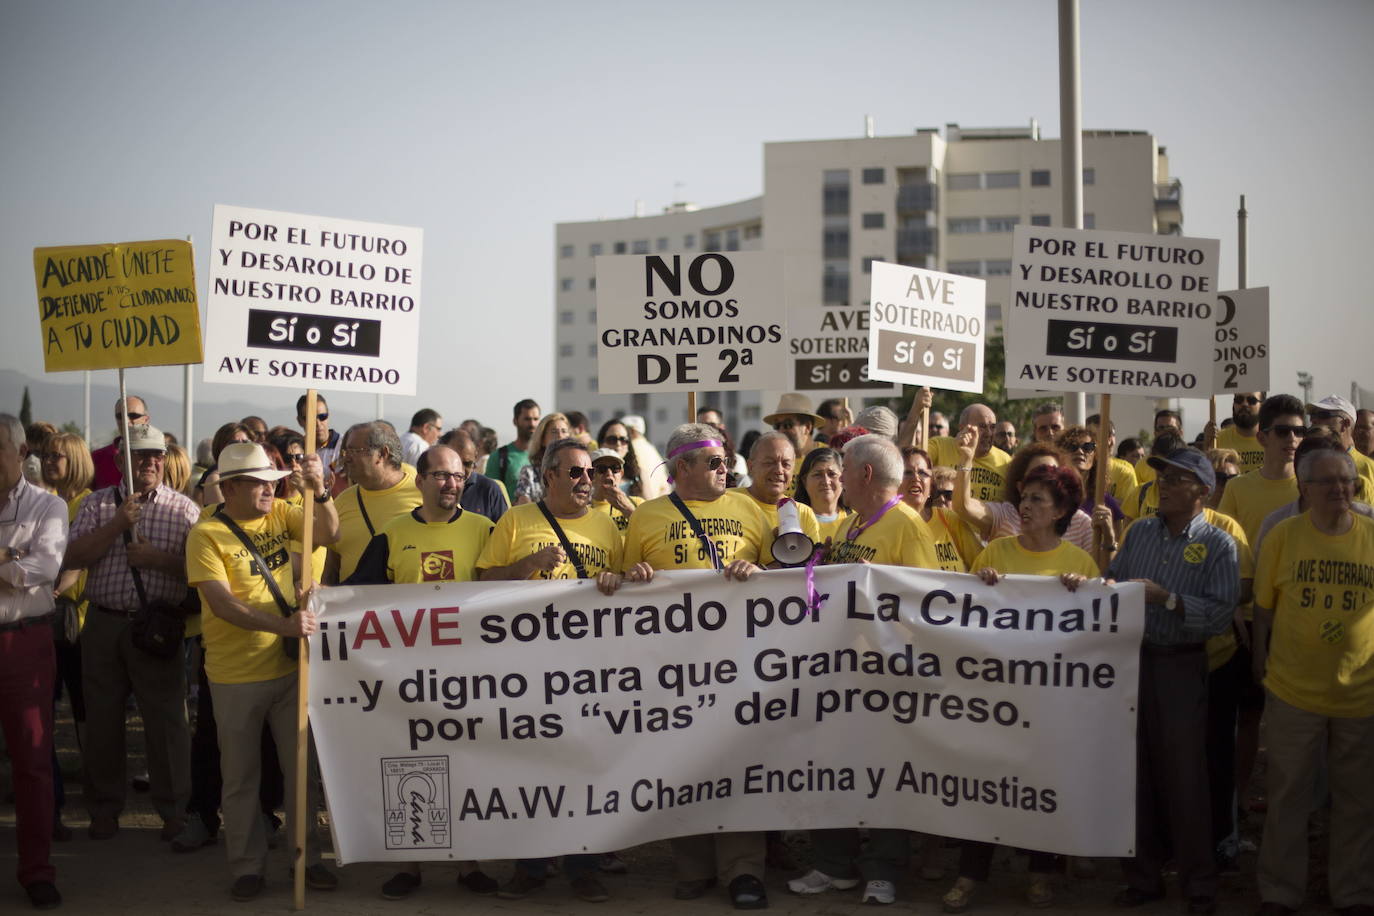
487	123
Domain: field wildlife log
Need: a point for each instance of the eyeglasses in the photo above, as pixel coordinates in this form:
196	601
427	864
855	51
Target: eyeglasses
136	416
1342	482
616	440
944	494
608	468
295	457
442	477
1287	429
1247	399
577	472
51	456
322	416
1087	448
783	425
923	473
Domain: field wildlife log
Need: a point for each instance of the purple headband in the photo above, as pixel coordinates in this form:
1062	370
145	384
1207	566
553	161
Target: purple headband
691	447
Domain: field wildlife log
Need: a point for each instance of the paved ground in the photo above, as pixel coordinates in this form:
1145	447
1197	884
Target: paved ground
135	873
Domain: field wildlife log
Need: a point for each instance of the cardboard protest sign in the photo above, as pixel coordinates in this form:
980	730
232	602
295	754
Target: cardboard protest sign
117	306
1242	341
926	328
828	350
301	301
687	322
502	720
1111	312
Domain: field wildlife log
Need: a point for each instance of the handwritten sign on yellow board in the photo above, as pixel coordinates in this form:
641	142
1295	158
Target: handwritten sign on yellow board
118	306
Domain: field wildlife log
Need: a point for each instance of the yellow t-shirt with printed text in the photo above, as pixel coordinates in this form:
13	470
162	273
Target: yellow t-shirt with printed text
1247	447
831	529
622	521
900	538
382	506
420	551
955	542
1251	497
234	655
524	531
659	535
989	474
1321	590
1008	556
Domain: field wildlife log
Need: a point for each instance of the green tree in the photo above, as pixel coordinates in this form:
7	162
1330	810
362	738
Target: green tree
26	409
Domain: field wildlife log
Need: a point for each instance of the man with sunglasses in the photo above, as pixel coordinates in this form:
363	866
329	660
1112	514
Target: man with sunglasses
795	419
134	544
1189	569
107	473
1005	436
1241	435
607	470
703	525
327	442
1253	495
1337	416
559	537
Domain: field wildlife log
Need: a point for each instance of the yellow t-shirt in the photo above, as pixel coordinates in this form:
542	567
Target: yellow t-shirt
1247	447
1221	647
660	536
1364	469
989	474
382	506
1321	590
900	538
524	530
831	529
1006	555
622	521
810	526
234	655
1250	498
318	555
1143	472
1121	481
74	593
420	551
955	542
1143	501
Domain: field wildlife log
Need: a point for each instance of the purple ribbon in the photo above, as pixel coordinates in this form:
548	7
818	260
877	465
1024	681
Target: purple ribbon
690	447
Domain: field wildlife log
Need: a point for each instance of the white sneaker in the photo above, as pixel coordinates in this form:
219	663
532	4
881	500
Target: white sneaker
883	892
817	882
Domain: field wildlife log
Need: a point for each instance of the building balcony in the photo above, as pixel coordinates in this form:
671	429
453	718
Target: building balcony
917	242
913	198
1169	207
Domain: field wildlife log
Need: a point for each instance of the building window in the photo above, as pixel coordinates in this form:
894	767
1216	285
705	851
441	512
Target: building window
835	192
1090	176
966	181
565	251
565	384
873	220
1040	219
874	176
711	241
565	317
591	350
689	240
965	224
1002	180
592	384
591	284
641	246
753	231
1040	178
565	284
868	264
620	248
662	243
835	243
1001	223
732	240
998	268
595	249
591	316
1089	220
966	268
565	349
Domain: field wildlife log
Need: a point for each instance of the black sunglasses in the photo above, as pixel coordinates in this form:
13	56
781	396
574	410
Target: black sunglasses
1086	448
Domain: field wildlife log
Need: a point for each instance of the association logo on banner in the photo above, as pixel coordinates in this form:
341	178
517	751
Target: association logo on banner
418	811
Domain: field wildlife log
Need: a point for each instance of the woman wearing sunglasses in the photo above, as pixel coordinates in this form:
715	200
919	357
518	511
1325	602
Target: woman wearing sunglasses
1079	445
615	436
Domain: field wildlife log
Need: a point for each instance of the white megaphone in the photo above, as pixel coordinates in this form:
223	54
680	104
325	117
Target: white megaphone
791	547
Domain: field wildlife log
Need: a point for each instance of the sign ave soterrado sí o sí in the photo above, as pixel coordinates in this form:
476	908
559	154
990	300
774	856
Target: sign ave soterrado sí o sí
690	322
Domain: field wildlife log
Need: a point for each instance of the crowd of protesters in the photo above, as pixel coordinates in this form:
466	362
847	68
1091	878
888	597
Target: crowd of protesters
138	570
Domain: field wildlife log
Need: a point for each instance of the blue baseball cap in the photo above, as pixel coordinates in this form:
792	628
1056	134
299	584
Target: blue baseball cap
1187	459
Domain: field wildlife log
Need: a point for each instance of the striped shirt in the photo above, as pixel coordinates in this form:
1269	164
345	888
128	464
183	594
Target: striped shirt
1200	565
167	517
34	523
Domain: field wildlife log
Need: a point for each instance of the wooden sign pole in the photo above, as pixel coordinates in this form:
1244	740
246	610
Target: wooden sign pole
1102	463
301	818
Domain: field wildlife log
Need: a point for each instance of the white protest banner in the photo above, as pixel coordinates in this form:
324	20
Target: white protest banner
301	301
687	322
1111	312
827	347
926	328
486	720
1242	341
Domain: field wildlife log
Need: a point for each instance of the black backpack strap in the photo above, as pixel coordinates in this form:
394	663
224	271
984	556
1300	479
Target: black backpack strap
286	609
563	539
129	539
696	529
504	465
371	532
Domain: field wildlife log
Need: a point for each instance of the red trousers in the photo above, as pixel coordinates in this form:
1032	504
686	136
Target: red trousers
27	668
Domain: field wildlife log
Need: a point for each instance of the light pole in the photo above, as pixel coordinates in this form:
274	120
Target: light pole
1305	383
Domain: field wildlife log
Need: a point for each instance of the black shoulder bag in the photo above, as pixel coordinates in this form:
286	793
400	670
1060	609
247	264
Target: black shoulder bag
573	558
290	645
696	529
157	627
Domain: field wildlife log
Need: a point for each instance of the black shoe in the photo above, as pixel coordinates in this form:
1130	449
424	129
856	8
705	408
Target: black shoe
479	882
691	890
1357	909
1269	908
246	887
399	885
1129	897
43	895
748	893
520	886
1202	905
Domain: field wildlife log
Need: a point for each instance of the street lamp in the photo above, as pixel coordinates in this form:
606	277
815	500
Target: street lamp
1305	383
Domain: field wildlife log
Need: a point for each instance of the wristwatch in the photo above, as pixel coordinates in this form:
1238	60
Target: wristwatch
1172	603
323	499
